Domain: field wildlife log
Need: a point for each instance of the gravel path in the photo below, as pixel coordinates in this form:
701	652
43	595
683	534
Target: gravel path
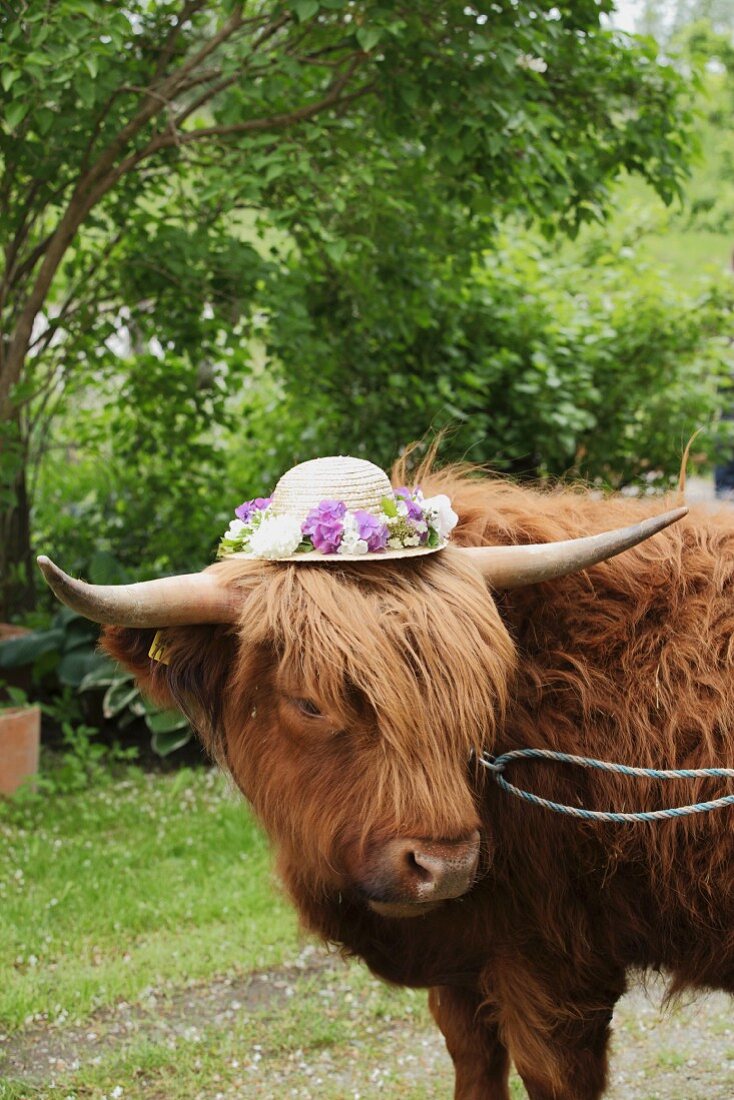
686	1053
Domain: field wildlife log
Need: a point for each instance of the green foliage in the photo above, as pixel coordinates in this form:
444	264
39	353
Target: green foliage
143	477
67	650
15	697
81	759
669	20
124	703
711	205
65	660
586	362
157	174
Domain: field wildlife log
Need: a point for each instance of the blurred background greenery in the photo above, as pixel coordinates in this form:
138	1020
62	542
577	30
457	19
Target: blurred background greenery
236	236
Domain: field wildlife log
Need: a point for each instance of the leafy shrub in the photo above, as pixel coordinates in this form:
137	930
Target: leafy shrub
65	659
124	703
539	361
66	651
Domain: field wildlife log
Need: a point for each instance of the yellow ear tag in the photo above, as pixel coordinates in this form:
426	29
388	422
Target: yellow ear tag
157	651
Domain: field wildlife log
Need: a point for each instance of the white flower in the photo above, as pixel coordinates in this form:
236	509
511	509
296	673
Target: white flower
352	546
534	64
395	544
276	537
351	543
440	515
235	529
402	507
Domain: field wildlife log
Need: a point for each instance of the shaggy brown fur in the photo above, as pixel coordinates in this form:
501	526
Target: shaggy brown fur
414	664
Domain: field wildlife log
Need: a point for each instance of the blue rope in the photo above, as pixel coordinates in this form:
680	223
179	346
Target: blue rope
497	765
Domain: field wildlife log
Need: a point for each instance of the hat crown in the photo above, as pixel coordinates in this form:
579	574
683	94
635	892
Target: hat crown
359	484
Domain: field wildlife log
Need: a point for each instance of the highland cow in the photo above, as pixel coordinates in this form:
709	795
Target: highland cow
351	702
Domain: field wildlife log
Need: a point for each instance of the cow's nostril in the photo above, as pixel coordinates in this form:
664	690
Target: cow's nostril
427	869
418	868
416	871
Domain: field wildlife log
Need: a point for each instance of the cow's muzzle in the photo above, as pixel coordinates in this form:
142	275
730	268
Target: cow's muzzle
409	876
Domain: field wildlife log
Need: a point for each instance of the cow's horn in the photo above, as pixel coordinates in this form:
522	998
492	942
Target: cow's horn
171	601
515	566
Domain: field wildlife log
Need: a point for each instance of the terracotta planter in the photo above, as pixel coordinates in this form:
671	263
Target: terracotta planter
20	738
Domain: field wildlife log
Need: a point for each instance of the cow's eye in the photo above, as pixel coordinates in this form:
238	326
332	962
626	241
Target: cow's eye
307	707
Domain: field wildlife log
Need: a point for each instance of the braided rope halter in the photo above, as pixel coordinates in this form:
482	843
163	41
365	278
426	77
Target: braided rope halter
496	766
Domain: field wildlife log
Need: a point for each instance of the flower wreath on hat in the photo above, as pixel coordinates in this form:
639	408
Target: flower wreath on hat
407	521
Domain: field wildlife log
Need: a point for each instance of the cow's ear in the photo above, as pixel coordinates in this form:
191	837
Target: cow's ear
186	667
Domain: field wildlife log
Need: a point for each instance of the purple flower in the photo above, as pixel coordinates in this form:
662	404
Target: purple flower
324	525
372	530
414	509
245	511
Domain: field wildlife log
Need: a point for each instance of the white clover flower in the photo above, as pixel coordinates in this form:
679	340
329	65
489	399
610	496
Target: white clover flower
235	529
440	515
276	537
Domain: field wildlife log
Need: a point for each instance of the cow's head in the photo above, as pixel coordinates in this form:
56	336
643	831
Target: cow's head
346	700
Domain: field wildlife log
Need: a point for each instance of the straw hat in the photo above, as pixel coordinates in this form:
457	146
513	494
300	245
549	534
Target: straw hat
338	509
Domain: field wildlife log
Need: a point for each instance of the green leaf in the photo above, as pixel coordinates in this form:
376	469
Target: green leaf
86	91
17	696
368	37
305	9
104	675
8	78
45	119
15	114
16	652
164	721
104	568
336	250
80	634
118	697
75	666
165	743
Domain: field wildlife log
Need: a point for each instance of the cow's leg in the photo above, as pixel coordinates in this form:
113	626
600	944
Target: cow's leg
575	1062
479	1055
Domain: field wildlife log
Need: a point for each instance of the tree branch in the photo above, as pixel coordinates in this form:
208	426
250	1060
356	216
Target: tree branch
189	8
274	122
265	35
108	170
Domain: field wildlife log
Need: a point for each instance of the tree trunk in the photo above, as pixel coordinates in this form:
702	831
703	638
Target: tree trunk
17	572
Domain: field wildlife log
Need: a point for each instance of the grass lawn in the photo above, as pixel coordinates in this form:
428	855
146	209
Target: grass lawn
141	882
133	916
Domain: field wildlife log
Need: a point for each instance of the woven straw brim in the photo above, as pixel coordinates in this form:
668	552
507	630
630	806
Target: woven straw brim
314	557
